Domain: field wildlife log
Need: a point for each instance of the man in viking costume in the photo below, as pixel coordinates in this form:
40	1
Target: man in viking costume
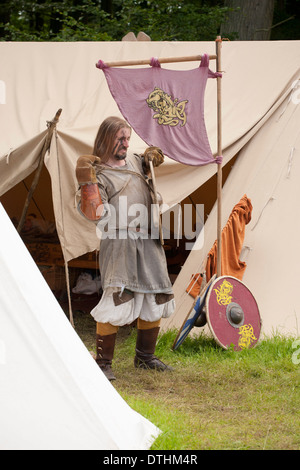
117	194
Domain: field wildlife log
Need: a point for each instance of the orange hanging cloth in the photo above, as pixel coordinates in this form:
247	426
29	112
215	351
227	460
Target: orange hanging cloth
195	285
233	235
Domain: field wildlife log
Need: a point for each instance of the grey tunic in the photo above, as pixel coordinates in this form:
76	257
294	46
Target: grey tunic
129	257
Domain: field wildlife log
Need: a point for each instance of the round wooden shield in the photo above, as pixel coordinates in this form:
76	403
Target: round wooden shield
232	314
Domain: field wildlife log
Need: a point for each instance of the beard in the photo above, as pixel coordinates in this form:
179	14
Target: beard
117	152
120	157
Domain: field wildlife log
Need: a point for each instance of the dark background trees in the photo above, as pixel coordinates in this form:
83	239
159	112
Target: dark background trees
252	20
162	20
249	20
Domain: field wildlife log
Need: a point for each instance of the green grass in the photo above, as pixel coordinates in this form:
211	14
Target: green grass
215	398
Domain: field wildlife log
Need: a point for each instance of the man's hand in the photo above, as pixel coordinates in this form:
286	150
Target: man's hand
152	153
85	171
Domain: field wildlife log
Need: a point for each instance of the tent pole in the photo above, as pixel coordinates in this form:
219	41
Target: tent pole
51	126
219	174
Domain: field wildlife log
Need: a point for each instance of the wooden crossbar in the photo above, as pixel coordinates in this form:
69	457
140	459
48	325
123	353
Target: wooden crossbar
166	60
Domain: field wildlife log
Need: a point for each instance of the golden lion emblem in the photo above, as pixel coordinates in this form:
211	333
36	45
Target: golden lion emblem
247	336
168	112
223	293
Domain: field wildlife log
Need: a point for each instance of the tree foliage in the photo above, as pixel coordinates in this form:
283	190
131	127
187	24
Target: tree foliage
110	20
96	20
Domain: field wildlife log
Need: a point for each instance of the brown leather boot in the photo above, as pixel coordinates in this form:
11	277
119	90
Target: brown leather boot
105	346
144	351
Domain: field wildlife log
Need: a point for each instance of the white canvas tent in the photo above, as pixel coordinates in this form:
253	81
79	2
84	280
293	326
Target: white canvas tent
40	78
52	395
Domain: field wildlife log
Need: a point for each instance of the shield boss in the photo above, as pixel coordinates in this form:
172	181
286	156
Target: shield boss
232	314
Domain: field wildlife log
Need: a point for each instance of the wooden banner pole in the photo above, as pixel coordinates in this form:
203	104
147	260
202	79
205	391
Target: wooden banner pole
219	152
156	202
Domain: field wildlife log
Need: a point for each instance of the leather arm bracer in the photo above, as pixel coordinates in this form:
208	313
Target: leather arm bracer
91	203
